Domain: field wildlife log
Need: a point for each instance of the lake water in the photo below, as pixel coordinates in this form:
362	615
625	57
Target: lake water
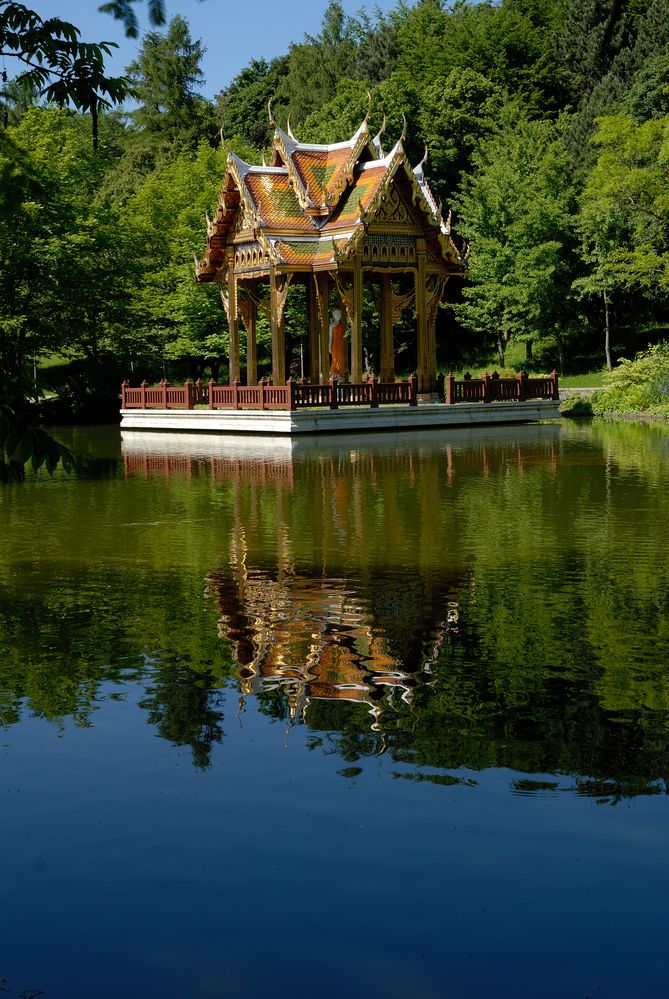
386	716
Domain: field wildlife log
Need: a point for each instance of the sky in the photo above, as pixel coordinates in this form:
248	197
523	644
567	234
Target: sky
233	31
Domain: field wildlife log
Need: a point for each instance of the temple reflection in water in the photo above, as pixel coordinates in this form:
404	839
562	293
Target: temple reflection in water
336	587
330	639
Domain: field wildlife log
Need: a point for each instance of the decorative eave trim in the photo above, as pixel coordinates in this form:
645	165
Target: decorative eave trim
285	147
344	176
238	169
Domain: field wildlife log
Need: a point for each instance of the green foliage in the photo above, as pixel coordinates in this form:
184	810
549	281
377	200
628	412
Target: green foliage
457	112
63	68
21	442
638	386
165	219
624	216
165	76
317	64
516	210
241	108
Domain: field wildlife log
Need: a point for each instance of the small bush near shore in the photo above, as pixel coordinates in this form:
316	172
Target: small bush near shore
638	386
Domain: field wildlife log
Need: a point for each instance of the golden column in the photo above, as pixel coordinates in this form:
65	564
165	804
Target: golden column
386	322
232	321
322	282
249	316
276	323
426	365
314	326
356	321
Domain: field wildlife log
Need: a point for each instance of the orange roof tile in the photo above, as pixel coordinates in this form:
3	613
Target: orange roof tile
320	170
357	196
275	201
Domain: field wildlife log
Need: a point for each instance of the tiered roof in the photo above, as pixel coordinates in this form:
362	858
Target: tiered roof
306	209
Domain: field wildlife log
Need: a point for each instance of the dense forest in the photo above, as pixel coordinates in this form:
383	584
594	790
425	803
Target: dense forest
547	127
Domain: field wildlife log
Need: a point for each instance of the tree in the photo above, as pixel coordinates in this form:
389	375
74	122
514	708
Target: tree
242	106
164	218
457	112
516	210
63	68
317	64
171	115
624	216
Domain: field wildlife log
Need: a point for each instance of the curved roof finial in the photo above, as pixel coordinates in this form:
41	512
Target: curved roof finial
425	158
289	129
404	128
222	134
376	141
269	113
369	107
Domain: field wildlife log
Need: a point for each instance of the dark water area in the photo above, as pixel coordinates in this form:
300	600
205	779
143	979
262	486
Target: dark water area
385	716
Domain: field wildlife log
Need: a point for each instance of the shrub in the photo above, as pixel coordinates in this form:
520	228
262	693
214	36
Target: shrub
638	386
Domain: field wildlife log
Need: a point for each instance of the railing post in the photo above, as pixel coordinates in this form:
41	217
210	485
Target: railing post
334	404
124	386
522	386
261	388
556	387
188	393
290	385
163	384
374	382
235	393
487	392
198	392
143	387
449	398
212	385
413	389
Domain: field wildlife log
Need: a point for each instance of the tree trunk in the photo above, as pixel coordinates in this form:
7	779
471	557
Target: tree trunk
501	349
607	332
561	352
528	351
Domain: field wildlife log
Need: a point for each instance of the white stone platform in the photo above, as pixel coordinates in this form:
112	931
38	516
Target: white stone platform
278	423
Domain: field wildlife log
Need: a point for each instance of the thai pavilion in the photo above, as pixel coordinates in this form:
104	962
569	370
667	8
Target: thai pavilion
334	217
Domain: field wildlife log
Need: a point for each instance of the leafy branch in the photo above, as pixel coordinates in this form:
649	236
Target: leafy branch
62	67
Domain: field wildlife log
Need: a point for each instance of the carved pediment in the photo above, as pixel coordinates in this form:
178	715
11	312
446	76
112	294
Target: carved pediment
392	210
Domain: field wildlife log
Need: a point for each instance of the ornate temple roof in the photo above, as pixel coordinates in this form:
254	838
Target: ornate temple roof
310	207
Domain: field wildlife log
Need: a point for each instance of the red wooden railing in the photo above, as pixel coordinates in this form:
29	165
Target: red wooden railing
265	395
492	388
302	395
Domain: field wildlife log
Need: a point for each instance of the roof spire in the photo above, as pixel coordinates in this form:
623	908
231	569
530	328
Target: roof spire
404	128
369	106
376	141
289	129
419	173
269	113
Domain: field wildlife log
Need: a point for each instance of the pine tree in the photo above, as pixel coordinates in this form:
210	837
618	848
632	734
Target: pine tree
165	77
